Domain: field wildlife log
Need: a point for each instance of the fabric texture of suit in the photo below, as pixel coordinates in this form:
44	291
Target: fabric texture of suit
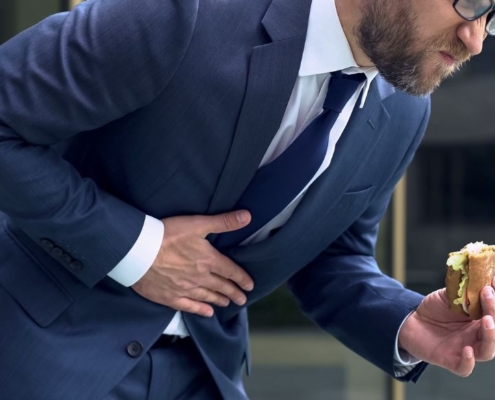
166	107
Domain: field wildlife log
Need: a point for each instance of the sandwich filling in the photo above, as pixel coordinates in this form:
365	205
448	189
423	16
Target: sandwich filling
459	261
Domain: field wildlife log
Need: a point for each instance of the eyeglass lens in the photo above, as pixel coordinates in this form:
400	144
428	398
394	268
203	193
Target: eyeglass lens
472	9
490	24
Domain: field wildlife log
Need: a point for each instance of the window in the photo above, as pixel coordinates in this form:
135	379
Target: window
458	183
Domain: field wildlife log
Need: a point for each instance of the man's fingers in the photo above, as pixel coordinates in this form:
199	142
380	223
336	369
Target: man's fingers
486	350
486	336
488	301
226	222
208	296
467	362
227	288
228	269
192	306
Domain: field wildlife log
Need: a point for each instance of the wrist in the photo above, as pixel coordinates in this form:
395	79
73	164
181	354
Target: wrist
407	332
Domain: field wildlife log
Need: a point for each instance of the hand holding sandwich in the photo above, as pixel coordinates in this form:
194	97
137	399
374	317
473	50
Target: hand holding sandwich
435	334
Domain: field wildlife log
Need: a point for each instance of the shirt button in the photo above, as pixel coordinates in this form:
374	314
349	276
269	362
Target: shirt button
76	265
134	349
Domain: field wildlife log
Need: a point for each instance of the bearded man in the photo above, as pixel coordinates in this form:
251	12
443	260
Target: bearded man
166	163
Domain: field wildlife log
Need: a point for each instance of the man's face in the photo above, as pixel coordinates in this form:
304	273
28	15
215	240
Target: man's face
416	44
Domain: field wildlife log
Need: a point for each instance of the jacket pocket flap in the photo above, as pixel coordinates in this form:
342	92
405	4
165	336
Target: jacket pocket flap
354	199
40	295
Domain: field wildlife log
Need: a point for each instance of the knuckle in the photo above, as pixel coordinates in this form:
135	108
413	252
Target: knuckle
192	308
220	287
230	275
229	290
204	295
182	284
228	221
213	297
203	267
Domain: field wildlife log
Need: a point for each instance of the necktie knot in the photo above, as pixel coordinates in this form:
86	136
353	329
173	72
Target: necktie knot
340	90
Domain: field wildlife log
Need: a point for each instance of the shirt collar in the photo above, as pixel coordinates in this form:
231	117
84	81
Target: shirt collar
326	48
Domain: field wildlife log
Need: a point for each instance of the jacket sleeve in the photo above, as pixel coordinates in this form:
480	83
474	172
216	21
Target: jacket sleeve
344	292
75	72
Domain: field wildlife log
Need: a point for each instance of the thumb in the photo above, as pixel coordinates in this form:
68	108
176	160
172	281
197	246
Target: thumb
226	222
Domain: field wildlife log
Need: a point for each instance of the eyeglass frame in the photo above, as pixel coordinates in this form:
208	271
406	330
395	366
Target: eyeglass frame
490	11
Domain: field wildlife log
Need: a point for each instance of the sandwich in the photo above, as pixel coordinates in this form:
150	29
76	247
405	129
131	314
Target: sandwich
468	271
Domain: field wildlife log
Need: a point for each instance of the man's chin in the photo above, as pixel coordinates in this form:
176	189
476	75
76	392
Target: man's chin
420	86
413	86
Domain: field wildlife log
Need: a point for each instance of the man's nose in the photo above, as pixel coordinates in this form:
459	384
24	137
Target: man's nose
472	34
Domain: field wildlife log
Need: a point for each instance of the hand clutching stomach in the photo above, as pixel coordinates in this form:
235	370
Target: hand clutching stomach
188	272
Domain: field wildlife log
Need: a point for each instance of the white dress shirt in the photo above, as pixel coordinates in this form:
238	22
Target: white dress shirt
326	50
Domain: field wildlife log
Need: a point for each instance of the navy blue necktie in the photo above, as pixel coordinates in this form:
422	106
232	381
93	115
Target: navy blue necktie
276	184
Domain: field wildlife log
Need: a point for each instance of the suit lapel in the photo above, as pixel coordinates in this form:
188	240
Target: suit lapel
272	74
358	140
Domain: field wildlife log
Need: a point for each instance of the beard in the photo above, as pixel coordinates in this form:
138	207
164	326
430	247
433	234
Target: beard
389	36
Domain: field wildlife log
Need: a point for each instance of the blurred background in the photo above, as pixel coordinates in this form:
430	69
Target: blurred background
445	201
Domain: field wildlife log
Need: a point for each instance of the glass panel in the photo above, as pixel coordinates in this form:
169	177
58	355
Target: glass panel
490	26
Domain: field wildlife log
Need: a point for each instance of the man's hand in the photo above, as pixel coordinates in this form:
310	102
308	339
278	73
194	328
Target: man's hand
436	335
189	272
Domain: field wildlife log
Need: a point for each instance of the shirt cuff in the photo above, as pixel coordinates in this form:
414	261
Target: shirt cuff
403	361
140	257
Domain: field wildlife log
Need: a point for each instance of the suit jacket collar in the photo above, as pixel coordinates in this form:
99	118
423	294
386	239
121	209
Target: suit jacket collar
287	19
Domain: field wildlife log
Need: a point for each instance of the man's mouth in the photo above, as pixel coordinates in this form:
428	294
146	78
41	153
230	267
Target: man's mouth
448	58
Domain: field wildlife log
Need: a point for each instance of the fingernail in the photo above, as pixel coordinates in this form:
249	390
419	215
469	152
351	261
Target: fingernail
249	286
242	216
469	354
488	293
489	324
209	314
240	301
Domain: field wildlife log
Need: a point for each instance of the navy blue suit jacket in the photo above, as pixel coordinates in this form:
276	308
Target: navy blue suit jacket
166	107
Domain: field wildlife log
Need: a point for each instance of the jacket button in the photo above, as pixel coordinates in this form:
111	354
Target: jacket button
134	349
57	251
47	243
67	258
76	265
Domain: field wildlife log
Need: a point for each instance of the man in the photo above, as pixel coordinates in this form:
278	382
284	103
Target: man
133	136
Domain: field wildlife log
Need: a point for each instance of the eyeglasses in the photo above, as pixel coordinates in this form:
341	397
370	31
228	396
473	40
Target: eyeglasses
474	9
